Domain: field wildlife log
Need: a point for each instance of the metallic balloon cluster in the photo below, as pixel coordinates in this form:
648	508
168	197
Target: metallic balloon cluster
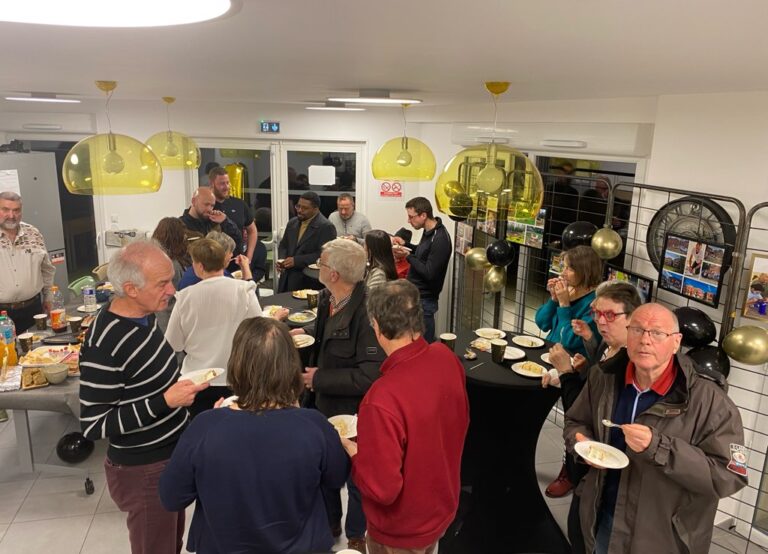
493	260
747	344
605	242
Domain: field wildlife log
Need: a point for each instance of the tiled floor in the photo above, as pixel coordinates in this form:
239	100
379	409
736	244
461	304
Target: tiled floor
51	513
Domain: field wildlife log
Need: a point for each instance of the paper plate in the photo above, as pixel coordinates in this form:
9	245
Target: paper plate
86	311
300	294
345	425
201	376
601	454
44	356
302	341
269	311
527	341
512	353
313	266
529	369
303	317
490	333
229	401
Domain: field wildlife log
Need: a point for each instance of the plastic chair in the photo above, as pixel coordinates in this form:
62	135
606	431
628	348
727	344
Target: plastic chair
77	286
101	272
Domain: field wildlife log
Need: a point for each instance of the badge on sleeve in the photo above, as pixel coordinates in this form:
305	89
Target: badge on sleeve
738	462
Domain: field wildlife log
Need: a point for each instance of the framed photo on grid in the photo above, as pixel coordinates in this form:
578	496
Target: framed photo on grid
693	268
643	284
756	297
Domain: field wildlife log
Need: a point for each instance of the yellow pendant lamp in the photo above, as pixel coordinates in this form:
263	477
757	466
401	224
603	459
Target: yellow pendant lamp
175	150
404	159
111	163
492	178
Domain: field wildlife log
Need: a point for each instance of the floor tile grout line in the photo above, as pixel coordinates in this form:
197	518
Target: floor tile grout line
88	531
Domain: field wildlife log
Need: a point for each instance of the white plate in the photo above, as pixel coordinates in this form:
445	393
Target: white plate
300	294
400	247
545	358
512	353
82	309
302	317
490	333
528	341
612	458
313	266
348	424
201	376
269	311
302	341
521	370
58	353
229	401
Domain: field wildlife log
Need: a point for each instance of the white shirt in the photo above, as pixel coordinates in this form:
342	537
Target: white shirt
204	321
25	268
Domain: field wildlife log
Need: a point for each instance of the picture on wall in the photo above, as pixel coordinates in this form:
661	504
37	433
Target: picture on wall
643	284
693	269
464	234
529	232
556	261
756	299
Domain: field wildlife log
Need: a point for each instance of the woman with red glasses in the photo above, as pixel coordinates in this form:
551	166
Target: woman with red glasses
614	303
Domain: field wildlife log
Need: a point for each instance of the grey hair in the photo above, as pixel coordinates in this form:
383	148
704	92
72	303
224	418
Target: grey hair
396	308
10	196
223	240
347	258
127	264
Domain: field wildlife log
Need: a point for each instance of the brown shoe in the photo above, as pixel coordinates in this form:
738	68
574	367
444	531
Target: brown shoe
560	486
336	530
357	544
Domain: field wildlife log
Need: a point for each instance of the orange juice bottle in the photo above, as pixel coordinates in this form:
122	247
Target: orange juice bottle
8	341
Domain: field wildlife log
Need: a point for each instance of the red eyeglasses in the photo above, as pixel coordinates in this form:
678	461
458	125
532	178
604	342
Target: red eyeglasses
609	316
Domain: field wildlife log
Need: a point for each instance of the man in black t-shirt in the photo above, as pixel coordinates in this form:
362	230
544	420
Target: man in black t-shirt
234	208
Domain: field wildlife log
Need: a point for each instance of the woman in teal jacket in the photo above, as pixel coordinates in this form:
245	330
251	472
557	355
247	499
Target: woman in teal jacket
571	297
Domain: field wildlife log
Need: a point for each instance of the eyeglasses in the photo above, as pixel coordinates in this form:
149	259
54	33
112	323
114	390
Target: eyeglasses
321	263
655	334
609	316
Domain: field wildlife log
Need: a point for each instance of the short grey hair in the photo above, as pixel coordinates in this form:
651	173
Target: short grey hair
223	240
347	258
127	264
396	308
10	196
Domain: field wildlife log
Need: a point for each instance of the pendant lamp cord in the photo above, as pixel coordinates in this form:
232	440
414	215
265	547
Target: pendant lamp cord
106	108
405	121
168	115
495	116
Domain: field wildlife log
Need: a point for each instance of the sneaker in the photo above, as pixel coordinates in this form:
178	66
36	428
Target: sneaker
560	486
3	416
357	544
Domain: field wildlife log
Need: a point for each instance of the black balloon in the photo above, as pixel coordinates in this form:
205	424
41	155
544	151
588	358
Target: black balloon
711	359
578	233
500	253
696	326
73	448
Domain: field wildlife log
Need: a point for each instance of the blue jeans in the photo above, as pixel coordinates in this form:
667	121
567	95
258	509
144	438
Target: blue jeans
429	306
355	524
603	535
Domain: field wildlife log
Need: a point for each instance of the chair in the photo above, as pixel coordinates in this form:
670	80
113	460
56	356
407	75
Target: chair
101	272
77	285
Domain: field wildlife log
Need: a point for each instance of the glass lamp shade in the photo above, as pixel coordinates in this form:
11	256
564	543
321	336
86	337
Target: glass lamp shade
175	150
111	164
404	159
457	186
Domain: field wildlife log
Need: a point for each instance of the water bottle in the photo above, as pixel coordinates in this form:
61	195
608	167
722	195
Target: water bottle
89	299
11	322
9	342
58	314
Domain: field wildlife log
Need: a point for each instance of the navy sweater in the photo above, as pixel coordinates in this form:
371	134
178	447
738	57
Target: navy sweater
257	480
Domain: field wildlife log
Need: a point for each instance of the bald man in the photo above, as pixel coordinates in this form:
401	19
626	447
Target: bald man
682	434
201	218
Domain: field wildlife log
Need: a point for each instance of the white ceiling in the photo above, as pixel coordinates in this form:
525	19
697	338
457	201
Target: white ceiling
288	51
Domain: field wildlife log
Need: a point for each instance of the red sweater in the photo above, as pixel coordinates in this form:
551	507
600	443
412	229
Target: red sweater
411	429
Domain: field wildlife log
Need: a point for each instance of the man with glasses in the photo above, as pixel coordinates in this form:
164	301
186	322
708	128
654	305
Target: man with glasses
683	437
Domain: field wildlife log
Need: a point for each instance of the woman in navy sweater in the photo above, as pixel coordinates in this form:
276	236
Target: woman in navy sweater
256	468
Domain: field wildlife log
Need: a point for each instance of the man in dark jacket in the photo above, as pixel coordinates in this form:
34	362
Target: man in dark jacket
683	437
300	246
346	360
201	218
429	260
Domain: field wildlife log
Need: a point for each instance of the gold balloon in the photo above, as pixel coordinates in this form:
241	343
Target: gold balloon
495	279
607	243
747	344
476	260
452	188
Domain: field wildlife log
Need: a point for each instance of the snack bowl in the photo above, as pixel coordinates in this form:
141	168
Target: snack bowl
55	373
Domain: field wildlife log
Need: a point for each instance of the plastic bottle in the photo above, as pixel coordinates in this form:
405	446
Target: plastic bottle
89	299
9	343
13	325
58	314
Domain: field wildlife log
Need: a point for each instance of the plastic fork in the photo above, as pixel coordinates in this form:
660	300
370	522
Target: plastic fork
609	423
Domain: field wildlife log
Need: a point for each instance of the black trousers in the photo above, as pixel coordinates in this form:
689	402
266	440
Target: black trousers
24	317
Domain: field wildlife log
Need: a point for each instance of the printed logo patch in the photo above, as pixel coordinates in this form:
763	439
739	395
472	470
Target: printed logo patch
738	462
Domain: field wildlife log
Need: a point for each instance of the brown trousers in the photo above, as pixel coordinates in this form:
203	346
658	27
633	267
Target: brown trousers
377	548
151	529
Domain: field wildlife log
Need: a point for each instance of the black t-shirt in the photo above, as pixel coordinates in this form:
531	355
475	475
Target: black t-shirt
237	211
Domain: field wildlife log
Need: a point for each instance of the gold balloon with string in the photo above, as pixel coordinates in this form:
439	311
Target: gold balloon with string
606	243
495	279
476	259
453	188
747	345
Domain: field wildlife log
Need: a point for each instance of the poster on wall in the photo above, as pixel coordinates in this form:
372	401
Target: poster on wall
556	263
693	268
644	285
390	190
756	301
464	234
529	232
487	213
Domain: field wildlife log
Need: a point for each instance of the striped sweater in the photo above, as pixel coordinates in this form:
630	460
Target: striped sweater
125	368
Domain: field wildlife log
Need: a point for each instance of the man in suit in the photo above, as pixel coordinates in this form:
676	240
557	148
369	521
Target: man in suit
300	246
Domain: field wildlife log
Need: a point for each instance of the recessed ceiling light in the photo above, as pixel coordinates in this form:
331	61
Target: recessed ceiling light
335	107
380	97
98	13
43	97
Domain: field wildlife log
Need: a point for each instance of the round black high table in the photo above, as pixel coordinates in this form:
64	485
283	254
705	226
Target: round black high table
505	511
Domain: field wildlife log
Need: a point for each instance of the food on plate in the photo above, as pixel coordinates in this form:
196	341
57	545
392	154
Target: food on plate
341	427
33	377
270	311
300	294
106	287
469	355
484	345
532	367
301	317
37	358
313	266
210	374
489	334
302	340
530	342
596	453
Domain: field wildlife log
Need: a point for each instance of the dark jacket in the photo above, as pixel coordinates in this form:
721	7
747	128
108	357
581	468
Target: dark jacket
668	494
201	227
429	261
347	354
305	251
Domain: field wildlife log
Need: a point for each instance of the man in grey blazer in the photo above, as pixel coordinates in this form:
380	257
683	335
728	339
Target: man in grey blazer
301	244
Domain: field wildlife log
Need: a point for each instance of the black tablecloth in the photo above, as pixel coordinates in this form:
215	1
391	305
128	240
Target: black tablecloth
505	511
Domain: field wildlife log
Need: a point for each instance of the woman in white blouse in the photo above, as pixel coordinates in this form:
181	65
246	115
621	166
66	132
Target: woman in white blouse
381	262
207	314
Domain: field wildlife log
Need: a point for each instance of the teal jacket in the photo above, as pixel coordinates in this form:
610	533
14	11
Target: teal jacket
551	317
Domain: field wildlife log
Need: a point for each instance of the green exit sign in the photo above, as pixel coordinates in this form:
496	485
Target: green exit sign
270	126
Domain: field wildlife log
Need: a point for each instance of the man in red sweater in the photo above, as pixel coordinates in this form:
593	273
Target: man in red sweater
411	429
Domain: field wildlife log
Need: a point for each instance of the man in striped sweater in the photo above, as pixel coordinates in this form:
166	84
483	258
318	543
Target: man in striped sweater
129	393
